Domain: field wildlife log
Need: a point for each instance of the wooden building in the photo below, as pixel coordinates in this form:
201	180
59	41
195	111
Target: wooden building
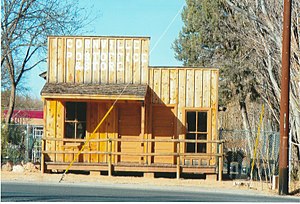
164	120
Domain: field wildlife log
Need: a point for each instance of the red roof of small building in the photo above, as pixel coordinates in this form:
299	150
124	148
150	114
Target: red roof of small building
38	114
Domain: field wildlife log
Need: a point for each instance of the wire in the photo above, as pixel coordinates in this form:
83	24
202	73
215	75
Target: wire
168	27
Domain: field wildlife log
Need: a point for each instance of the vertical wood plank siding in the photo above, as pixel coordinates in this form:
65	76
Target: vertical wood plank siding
98	60
187	88
54	127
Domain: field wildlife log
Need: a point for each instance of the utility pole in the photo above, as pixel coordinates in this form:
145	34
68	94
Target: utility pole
284	101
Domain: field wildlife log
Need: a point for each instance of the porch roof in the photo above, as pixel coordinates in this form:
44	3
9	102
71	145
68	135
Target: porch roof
94	91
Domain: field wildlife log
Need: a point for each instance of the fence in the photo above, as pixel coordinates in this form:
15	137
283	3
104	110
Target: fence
24	143
34	143
239	154
21	143
81	155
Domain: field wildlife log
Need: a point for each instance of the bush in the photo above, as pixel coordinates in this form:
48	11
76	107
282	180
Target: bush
13	143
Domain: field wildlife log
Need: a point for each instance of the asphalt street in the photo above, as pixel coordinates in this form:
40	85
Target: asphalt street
66	192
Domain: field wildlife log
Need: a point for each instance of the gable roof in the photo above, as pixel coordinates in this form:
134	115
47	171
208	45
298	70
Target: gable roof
95	91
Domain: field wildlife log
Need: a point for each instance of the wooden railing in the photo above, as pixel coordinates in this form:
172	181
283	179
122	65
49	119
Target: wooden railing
179	155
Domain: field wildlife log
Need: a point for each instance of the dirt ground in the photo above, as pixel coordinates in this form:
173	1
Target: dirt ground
97	178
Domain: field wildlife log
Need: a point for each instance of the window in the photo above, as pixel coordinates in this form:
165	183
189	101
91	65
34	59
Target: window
196	130
75	121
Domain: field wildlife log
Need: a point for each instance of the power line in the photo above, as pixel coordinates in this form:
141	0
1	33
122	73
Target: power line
168	27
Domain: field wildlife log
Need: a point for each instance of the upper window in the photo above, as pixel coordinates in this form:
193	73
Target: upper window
75	121
196	130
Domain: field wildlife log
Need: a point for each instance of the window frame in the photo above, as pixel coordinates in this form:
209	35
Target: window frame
208	131
76	122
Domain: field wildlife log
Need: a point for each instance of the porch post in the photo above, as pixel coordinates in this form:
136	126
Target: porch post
143	131
149	144
178	170
43	157
221	161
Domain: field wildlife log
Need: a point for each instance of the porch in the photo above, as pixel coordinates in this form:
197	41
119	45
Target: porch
191	163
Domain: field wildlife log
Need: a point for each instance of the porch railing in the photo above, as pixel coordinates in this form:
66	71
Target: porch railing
218	154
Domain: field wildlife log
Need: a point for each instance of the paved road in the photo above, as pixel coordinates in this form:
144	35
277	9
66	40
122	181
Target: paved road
30	192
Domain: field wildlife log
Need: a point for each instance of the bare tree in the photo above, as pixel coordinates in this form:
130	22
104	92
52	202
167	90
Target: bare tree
25	25
243	38
265	37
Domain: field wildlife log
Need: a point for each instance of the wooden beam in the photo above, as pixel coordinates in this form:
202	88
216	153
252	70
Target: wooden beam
43	158
221	162
92	97
142	130
131	168
178	161
109	158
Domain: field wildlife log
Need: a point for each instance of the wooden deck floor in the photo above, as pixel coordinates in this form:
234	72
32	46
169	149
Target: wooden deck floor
132	167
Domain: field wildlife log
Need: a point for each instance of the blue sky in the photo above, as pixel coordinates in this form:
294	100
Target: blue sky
149	18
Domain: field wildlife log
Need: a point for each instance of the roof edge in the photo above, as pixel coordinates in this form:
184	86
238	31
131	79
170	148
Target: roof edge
97	36
182	67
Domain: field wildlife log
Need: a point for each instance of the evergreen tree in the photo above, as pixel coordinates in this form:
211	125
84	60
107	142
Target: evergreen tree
243	39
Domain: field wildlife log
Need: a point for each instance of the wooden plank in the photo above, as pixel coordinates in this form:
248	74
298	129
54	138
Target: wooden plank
60	60
151	85
164	147
128	122
214	111
130	146
190	88
104	61
87	60
43	148
198	88
157	86
129	130
151	78
86	157
206	88
96	59
181	105
128	61
53	60
51	127
145	61
102	130
112	61
79	60
60	129
182	88
136	61
115	135
165	89
70	60
94	122
120	61
111	125
143	130
173	86
149	128
89	129
214	89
